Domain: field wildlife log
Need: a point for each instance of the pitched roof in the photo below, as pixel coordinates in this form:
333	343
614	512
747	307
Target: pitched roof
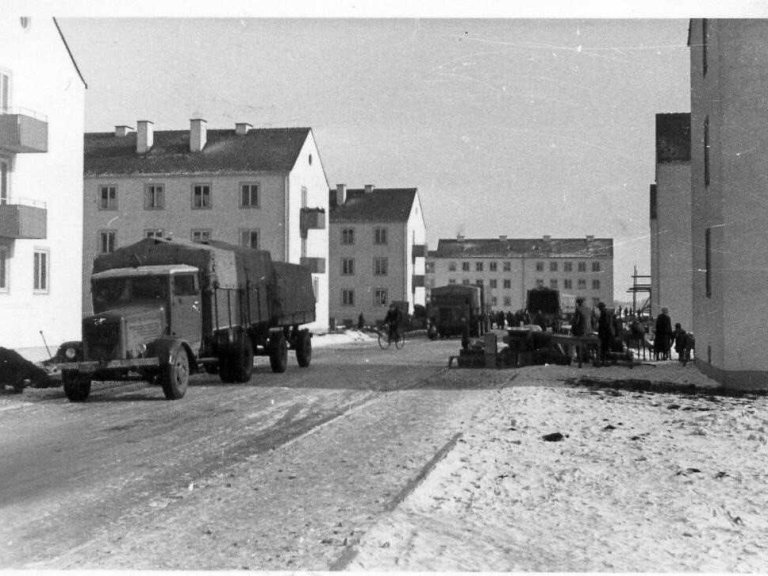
379	205
528	247
71	56
263	149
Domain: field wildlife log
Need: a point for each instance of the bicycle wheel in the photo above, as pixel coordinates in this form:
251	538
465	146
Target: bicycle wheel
400	342
383	340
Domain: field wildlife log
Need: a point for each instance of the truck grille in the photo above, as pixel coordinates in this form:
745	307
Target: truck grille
101	337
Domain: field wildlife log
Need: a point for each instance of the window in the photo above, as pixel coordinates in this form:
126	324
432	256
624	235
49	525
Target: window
153	233
380	297
452	281
708	262
553	266
539	266
493	283
184	285
201	234
595	266
568	284
706	151
567	266
451	266
429	267
201	196
507	284
4	181
347	235
507	301
582	266
595	284
41	271
492	266
5	92
478	266
304	193
465	281
465	266
507	266
553	283
479	282
107	241
347	297
249	239
582	284
347	266
704	39
249	195
494	301
154	197
107	197
539	283
380	266
380	236
3	269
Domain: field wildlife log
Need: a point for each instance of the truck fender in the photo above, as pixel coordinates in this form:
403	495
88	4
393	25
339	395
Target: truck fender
164	349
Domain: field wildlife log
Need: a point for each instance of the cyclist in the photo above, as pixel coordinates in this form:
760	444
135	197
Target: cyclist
393	319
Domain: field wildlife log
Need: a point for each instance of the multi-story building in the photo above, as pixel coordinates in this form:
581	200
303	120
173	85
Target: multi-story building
262	188
729	136
377	251
507	268
42	107
670	220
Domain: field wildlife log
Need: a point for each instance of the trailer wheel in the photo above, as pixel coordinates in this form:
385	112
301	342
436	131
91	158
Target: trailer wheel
240	362
76	387
278	353
175	376
304	348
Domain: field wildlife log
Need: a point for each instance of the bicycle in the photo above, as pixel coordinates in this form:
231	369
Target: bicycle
386	339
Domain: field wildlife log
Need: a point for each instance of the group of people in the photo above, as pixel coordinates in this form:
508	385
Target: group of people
665	337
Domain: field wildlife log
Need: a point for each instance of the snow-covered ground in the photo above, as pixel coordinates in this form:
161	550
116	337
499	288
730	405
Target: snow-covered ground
641	481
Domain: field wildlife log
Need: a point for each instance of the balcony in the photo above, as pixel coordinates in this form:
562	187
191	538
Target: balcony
418	280
315	265
311	219
23	222
419	250
23	132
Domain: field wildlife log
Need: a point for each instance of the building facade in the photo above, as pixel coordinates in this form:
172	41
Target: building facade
507	268
670	220
729	136
262	188
42	106
377	252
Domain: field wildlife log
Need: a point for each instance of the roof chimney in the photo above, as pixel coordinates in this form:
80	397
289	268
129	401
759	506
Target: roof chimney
547	238
145	136
590	238
121	131
459	237
339	196
369	188
242	128
502	237
198	134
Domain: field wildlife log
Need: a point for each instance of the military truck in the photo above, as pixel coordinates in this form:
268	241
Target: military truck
544	307
164	309
454	307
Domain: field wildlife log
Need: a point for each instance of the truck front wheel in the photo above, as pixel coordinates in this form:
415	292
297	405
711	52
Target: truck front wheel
76	387
175	376
304	348
278	353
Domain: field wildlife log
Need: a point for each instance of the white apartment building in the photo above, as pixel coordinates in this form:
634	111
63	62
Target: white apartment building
508	267
262	188
729	143
670	220
377	251
42	106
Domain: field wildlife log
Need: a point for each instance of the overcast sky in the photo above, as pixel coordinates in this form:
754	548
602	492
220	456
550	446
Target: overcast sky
517	127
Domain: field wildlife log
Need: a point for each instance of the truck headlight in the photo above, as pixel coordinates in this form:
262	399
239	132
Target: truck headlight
70	353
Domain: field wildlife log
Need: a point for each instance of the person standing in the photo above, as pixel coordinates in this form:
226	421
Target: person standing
662	338
605	331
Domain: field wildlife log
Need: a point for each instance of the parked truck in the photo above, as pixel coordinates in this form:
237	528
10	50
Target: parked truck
549	307
164	309
454	307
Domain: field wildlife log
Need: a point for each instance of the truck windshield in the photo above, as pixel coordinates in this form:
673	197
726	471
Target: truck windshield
113	292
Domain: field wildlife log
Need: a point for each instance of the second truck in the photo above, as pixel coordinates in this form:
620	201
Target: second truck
164	309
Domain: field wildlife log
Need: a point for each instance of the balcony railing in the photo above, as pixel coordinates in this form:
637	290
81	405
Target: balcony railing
23	222
419	251
315	265
311	219
23	131
418	280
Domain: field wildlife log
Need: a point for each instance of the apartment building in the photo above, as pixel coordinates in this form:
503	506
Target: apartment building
42	106
508	267
729	139
670	220
377	251
262	188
